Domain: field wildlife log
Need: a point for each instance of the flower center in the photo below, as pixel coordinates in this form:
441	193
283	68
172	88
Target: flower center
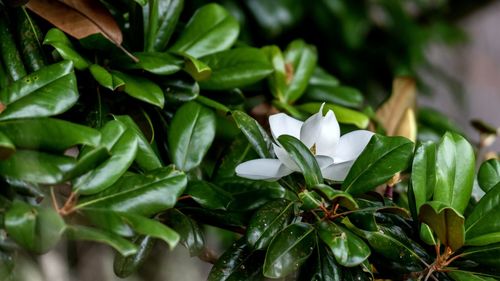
313	149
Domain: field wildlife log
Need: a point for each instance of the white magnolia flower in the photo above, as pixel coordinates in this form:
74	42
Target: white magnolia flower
321	134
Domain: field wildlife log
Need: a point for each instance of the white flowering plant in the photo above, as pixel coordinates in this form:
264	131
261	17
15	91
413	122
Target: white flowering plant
186	133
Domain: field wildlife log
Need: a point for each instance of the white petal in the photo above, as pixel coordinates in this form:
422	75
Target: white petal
337	172
262	169
282	124
285	158
351	145
323	161
323	132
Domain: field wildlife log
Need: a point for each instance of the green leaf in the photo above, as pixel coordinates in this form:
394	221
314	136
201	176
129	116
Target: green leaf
145	195
141	88
124	247
484	255
236	68
48	134
325	88
321	266
238	262
153	228
57	39
344	115
146	158
36	229
7	148
163	17
88	162
126	266
446	222
190	135
489	174
49	91
198	69
289	249
108	220
455	171
181	90
310	200
267	222
253	131
423	177
393	244
342	198
349	250
211	29
208	195
105	78
191	235
154	62
303	158
36	167
482	226
301	59
278	80
380	160
468	276
122	144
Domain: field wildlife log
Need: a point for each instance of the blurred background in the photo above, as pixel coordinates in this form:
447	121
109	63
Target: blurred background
452	48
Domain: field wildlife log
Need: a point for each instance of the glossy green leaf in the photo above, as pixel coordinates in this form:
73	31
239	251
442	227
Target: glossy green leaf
162	20
145	195
141	88
343	115
87	162
249	194
393	244
238	262
489	174
303	158
341	95
218	218
267	222
321	77
300	59
485	255
380	160
48	134
123	246
122	144
190	135
208	195
7	148
454	171
153	228
321	266
278	80
198	69
154	62
57	39
236	68
468	276
445	221
349	250
482	226
275	17
423	177
36	167
191	235
49	91
108	220
211	29
146	158
253	131
34	228
126	266
181	90
310	200
342	198
105	78
289	249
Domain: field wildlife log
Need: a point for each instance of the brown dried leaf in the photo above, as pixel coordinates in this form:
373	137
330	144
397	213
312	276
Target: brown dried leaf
394	114
78	18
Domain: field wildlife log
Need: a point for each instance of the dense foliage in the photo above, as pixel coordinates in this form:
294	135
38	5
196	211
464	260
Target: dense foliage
123	122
